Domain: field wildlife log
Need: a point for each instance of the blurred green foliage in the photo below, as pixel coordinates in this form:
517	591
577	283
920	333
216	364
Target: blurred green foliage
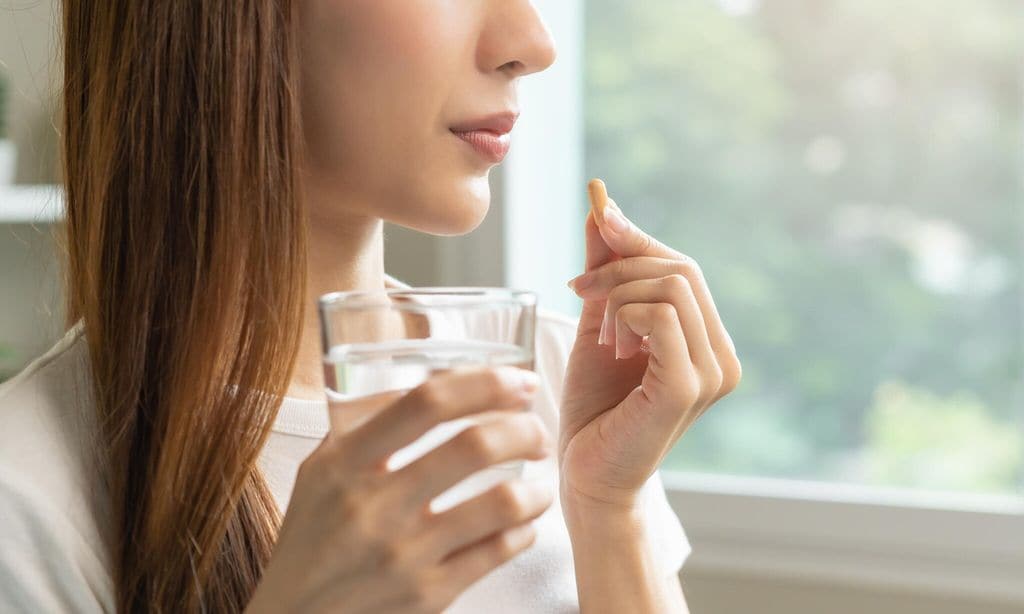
848	172
921	439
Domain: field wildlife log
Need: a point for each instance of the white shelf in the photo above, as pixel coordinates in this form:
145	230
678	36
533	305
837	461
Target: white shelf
30	204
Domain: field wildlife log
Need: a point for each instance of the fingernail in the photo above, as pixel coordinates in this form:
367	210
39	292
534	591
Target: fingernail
602	338
582	282
615	220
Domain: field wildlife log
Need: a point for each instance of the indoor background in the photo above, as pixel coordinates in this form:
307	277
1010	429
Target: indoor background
848	173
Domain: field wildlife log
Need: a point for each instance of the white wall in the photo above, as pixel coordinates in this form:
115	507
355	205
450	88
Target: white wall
31	309
29	57
30	306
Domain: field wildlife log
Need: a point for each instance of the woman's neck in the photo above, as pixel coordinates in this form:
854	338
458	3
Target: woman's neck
344	254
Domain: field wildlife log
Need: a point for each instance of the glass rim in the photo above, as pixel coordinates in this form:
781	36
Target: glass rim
359	299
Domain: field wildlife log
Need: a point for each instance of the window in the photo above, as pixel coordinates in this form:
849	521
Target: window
848	172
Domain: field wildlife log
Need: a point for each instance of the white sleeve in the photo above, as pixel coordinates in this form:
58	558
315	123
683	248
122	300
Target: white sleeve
45	564
667	537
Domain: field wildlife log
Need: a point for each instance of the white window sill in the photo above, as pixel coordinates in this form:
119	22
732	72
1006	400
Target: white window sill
970	546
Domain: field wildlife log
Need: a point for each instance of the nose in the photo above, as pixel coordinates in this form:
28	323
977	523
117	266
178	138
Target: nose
515	39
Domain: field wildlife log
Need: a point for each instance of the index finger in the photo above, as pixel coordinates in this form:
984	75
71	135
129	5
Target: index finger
445	396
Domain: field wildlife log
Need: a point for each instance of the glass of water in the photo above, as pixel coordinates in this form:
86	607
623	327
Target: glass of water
387	340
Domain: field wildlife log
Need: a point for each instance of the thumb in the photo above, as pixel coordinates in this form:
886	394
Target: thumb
627	240
598	251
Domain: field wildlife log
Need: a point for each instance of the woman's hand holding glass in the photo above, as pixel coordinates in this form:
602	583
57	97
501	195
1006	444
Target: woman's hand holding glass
358	537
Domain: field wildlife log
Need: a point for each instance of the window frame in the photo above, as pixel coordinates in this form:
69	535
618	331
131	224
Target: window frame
968	546
943	544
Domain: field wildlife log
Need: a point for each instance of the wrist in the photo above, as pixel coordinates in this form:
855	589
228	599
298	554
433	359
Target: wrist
616	517
615	566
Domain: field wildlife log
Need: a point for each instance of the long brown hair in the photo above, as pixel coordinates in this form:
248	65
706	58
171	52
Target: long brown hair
186	261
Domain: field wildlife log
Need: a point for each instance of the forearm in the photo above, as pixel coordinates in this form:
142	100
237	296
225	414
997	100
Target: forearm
615	567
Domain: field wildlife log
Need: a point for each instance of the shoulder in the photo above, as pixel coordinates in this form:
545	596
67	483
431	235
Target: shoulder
50	560
52	547
48	424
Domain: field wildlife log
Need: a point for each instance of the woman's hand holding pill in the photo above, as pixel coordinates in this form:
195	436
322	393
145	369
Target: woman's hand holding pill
651	355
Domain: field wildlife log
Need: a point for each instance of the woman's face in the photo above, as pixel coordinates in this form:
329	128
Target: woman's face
391	93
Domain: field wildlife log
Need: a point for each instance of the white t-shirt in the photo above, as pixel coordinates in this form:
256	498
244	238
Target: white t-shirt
55	534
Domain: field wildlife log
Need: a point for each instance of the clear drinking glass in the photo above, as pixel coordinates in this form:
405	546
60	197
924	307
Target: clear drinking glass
379	341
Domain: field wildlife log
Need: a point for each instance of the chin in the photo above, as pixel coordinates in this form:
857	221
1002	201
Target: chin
459	210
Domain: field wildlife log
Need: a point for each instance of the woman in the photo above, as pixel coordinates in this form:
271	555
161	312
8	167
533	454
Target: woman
227	163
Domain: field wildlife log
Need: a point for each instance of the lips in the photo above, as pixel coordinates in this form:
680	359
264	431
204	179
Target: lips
491	146
488	136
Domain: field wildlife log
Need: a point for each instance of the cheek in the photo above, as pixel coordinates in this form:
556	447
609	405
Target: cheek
377	80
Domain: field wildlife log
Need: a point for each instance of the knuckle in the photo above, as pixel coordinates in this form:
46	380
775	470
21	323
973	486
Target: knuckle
619	314
732	373
349	529
430	396
388	555
645	241
348	510
615	295
506	546
664	312
716	378
510	500
677	282
690	268
706	397
620	268
493	379
690	391
538	431
509	544
711	391
352	508
475	443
